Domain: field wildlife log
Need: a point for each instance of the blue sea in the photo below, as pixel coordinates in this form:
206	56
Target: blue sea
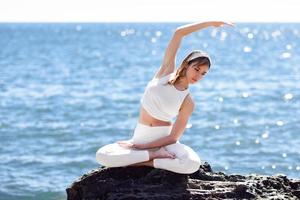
66	89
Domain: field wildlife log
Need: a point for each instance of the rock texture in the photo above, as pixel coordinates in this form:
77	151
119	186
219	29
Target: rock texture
139	182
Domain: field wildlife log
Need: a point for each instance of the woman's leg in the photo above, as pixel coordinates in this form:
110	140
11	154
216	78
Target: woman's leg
113	155
160	153
186	162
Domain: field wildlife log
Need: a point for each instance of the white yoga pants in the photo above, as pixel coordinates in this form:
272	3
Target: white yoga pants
113	155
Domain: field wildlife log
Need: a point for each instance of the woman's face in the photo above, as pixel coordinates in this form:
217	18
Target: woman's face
196	72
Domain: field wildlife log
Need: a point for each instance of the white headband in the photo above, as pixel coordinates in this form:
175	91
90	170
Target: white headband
197	54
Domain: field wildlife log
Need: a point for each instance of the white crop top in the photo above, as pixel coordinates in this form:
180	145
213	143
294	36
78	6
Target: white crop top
162	101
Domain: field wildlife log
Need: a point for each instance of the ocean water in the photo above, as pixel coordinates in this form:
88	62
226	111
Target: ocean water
67	89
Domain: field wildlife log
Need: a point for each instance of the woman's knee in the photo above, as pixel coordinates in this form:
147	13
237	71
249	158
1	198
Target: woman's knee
105	155
182	166
189	165
192	166
102	158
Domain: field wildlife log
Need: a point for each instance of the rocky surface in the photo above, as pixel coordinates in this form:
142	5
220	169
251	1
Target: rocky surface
139	182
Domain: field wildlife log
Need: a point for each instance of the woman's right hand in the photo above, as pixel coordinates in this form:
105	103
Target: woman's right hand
129	144
126	143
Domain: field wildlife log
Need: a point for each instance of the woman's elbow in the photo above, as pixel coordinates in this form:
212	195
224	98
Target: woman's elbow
178	32
172	140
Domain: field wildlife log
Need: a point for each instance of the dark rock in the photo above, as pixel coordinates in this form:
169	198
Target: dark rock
151	184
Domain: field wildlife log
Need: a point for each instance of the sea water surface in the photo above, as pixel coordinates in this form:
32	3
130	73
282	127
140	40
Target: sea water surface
66	89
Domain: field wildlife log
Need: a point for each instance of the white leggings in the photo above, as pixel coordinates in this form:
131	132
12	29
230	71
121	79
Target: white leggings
113	155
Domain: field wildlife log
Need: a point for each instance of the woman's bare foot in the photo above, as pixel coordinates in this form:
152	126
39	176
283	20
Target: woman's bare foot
162	153
147	163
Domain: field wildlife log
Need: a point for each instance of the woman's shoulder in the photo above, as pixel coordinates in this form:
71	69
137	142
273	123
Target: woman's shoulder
163	77
188	103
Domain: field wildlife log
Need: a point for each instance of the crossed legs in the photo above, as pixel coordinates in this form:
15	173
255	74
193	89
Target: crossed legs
186	161
160	153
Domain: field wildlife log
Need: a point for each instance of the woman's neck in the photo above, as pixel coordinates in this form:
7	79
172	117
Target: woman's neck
183	83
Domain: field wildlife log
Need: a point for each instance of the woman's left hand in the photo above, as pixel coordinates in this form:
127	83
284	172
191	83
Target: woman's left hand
129	144
220	23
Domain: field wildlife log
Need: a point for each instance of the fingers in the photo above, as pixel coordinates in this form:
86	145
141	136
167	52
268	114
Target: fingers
125	144
174	156
229	24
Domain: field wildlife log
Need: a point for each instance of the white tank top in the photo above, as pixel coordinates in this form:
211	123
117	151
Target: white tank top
163	101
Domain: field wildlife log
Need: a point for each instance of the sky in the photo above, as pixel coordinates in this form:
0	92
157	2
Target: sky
149	10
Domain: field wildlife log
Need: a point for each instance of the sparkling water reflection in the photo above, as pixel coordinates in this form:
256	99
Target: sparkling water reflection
68	89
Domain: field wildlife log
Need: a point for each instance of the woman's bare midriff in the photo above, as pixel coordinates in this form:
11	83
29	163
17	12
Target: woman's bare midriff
146	119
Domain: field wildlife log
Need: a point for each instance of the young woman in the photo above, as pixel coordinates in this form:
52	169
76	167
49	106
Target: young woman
155	141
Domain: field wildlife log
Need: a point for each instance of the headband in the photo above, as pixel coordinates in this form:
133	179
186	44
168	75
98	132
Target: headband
199	53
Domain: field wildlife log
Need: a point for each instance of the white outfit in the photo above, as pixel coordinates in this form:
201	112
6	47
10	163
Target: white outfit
113	155
162	102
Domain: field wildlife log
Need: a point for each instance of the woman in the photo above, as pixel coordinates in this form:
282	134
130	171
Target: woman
155	140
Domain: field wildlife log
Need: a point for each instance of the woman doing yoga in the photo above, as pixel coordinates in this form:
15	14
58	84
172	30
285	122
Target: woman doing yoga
155	140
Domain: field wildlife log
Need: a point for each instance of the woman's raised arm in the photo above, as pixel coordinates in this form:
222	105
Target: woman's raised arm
168	63
189	28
